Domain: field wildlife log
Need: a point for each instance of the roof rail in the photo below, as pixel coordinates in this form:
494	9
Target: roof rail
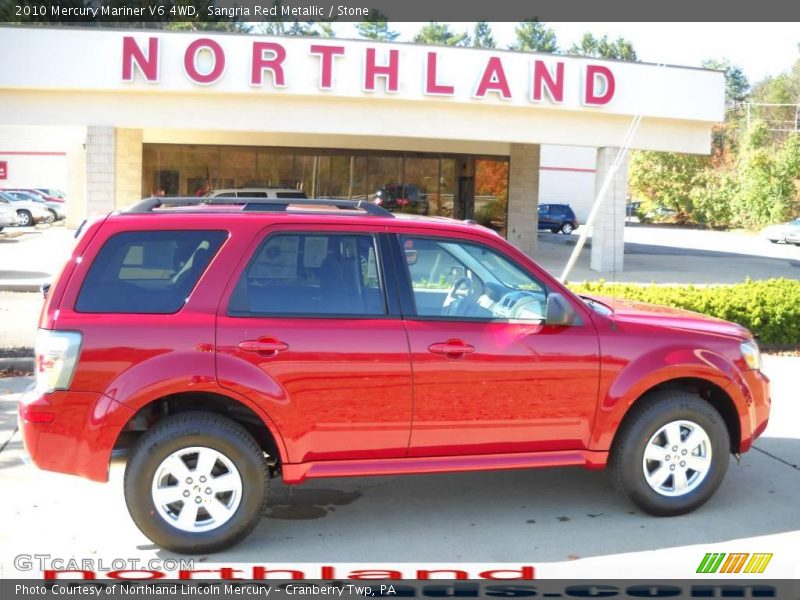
256	204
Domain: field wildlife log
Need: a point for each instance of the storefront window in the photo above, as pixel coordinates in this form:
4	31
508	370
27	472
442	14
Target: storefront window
407	182
491	193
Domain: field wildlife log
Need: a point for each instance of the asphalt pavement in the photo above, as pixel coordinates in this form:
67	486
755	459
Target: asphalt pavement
564	522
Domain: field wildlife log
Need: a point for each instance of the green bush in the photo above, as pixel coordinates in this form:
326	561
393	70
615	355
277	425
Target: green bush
770	308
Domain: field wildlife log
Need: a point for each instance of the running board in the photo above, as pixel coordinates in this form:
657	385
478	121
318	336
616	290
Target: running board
299	472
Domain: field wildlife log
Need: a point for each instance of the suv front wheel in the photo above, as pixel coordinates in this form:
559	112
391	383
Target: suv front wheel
671	454
196	483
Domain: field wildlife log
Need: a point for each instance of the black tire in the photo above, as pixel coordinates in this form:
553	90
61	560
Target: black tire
188	430
25	218
567	228
53	216
554	229
627	458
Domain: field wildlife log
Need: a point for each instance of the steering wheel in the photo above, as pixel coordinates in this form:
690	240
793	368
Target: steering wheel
462	289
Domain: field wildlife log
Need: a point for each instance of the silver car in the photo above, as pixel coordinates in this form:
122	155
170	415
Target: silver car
8	216
785	232
57	210
29	211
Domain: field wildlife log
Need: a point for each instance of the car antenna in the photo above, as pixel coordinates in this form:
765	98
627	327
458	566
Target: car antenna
601	196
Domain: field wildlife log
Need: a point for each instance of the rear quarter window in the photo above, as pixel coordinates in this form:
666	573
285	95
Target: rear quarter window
147	272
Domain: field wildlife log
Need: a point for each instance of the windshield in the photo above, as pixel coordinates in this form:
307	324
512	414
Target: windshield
490	266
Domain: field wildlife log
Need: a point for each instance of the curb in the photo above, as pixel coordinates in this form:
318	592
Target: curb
24	363
20	287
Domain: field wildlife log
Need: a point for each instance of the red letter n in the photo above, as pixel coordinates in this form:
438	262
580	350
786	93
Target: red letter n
132	54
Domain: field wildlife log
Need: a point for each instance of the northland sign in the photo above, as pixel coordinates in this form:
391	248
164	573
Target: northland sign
205	60
173	62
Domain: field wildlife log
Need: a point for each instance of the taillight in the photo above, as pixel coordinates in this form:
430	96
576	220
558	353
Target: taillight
56	359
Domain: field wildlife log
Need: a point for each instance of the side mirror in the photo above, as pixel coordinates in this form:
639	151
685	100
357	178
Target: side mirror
560	312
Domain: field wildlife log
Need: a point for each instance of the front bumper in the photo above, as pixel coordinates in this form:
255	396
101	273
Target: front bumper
71	432
754	390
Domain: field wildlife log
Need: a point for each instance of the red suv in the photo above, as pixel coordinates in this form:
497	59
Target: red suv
228	343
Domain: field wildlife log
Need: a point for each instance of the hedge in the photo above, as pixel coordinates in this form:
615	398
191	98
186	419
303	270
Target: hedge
769	308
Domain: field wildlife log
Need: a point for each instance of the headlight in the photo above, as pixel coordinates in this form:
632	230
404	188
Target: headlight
751	354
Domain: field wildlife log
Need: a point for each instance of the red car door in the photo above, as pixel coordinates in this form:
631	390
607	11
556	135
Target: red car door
489	375
310	334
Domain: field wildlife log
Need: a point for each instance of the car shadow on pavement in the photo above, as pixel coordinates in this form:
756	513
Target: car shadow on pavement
515	516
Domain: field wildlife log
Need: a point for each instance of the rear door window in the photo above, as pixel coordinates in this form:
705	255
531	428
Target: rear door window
311	274
147	272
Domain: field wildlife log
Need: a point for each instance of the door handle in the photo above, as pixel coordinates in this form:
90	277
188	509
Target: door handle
264	346
451	348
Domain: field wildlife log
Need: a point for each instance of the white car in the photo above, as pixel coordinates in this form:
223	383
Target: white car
28	212
781	233
8	216
253	192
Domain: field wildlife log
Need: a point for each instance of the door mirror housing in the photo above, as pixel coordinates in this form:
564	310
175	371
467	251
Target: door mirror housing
560	311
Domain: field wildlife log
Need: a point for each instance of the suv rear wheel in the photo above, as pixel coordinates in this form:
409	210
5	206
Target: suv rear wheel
196	482
567	228
671	455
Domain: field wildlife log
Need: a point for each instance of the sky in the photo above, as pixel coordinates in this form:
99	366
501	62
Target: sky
761	49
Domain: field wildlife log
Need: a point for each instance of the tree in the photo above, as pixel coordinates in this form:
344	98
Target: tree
534	36
666	180
482	36
589	45
376	27
440	34
736	84
326	29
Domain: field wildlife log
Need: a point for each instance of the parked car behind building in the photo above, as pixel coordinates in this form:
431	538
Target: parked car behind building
557	218
8	215
253	192
29	210
56	208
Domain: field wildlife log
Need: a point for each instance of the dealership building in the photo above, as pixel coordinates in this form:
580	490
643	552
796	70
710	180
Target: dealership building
117	115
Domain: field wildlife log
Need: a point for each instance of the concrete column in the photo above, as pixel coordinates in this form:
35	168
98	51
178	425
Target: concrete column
128	167
100	169
76	184
608	243
523	197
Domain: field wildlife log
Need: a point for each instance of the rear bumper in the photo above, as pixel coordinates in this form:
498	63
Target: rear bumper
71	432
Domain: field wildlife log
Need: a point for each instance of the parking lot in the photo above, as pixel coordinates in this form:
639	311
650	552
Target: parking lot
564	522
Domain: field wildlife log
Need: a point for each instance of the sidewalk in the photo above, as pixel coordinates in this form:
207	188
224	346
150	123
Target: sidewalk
31	256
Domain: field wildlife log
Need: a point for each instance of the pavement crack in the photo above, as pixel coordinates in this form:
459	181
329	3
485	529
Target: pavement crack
8	441
779	459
